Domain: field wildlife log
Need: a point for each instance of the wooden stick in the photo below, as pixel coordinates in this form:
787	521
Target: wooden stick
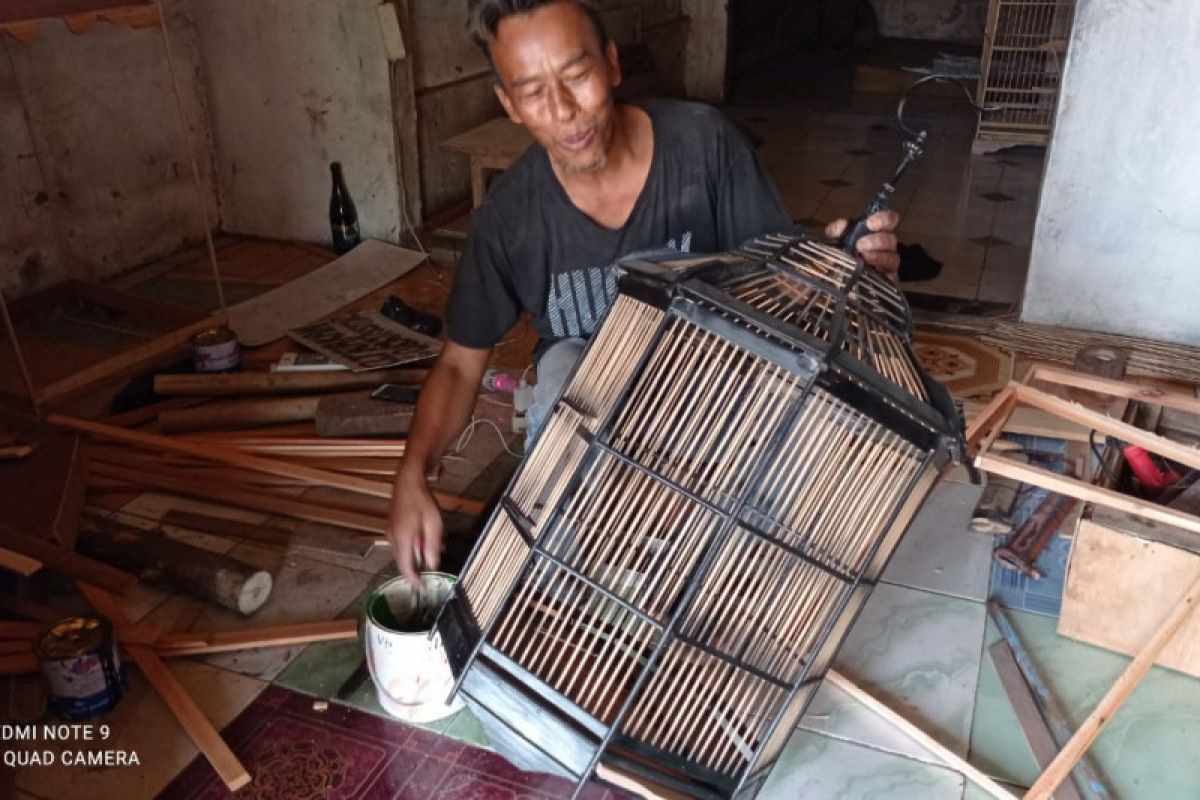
126	361
16	346
223	455
244	413
19	563
1086	491
1106	424
259	383
350	544
202	643
1107	707
1037	733
19	664
66	561
992	416
29	609
190	717
919	736
1126	389
20	630
240	498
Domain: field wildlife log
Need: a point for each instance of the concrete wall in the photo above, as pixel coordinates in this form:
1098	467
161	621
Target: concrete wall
1118	230
452	81
941	20
294	85
93	176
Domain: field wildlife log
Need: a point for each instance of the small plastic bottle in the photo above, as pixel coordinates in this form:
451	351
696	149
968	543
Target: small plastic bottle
496	381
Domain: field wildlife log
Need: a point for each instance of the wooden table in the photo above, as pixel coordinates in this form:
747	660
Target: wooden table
492	147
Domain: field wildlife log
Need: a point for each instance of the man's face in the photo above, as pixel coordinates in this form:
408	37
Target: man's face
557	80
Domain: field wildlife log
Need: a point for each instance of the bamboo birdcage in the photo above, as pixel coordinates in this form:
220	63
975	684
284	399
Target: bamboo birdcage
1024	50
673	567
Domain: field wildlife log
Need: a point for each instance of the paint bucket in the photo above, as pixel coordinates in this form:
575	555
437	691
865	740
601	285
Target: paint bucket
409	666
79	660
216	350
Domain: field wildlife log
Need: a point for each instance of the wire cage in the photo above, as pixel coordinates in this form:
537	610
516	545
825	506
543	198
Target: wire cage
1024	49
670	572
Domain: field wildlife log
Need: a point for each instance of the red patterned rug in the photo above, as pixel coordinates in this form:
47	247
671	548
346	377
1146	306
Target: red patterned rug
296	753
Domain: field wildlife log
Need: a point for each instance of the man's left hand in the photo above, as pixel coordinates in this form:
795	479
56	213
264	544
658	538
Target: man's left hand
877	248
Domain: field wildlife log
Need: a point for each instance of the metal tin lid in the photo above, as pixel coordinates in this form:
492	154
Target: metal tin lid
73	636
213	337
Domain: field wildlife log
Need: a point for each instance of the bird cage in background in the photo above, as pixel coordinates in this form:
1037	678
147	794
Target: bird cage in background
676	562
1024	50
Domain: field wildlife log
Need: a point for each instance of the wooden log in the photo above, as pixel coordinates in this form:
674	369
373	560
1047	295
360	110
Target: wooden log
1086	734
190	717
241	498
260	383
142	414
157	558
348	543
360	414
71	564
247	413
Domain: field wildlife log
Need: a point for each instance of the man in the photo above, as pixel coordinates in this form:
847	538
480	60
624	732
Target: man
603	181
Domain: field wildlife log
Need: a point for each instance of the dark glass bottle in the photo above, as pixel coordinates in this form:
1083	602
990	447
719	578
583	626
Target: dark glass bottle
343	218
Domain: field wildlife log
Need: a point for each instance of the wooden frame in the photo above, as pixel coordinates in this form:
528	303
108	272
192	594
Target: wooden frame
21	17
182	324
984	431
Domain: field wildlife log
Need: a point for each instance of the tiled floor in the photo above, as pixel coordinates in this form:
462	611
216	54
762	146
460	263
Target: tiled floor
828	152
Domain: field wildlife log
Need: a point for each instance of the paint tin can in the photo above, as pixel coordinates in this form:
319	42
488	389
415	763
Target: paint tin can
216	350
409	665
79	660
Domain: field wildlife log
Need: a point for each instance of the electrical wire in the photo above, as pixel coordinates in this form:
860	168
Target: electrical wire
469	433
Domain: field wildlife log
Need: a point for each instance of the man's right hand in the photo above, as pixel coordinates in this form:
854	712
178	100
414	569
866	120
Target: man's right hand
414	527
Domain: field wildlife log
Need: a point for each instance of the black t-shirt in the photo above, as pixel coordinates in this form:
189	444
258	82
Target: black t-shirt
530	248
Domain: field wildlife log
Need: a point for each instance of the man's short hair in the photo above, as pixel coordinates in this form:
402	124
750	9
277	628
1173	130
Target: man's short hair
483	17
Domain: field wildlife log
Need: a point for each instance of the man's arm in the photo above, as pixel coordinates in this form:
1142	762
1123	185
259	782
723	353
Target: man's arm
443	411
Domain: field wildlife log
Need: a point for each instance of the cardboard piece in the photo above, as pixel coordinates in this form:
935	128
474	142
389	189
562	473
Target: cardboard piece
321	292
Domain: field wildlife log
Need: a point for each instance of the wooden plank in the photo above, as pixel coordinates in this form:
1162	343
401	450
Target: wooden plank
15	344
1037	735
126	362
18	562
1108	600
364	269
263	383
1127	389
1064	762
29	608
350	543
1086	491
191	718
233	458
65	561
191	643
316	477
992	415
20	630
20	10
19	664
1106	424
241	498
142	414
947	757
242	413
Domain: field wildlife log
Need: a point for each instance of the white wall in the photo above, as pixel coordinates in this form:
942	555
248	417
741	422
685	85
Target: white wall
94	179
1117	242
294	85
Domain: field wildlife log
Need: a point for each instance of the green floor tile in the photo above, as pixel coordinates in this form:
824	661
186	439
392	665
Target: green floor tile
1150	749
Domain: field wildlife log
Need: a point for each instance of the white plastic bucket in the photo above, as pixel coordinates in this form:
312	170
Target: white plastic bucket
411	673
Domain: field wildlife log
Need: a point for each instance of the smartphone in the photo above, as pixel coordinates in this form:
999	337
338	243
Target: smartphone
397	394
